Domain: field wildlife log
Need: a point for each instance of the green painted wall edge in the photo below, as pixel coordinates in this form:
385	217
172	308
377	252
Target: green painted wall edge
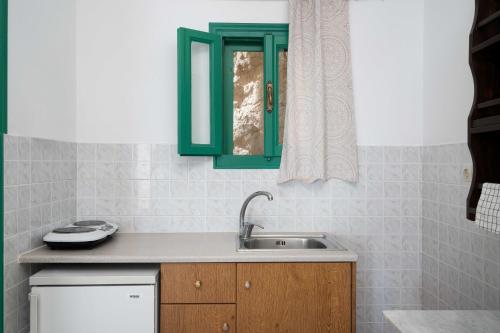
3	129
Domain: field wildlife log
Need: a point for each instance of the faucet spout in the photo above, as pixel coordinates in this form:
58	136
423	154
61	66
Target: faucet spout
246	228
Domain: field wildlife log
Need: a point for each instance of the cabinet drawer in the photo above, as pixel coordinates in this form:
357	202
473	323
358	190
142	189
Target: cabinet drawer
196	318
198	283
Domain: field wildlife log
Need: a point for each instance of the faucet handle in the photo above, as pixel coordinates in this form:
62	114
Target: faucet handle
247	229
254	225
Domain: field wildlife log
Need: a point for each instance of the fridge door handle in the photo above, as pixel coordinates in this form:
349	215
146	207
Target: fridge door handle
33	313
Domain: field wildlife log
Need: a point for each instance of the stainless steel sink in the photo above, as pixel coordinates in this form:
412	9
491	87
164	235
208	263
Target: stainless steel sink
283	242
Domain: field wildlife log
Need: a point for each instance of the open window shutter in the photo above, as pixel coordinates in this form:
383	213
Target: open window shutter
199	61
269	108
273	44
279	76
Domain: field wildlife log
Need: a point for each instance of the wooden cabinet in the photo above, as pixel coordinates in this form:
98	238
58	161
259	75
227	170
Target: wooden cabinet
198	283
294	297
196	318
258	298
198	298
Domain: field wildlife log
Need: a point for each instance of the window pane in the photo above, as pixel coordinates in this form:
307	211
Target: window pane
248	103
200	93
283	56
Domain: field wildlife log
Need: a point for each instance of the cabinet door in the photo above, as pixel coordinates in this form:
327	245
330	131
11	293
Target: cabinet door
294	297
196	318
198	283
199	90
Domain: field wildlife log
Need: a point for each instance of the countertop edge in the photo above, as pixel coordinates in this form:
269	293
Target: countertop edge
222	246
138	260
458	321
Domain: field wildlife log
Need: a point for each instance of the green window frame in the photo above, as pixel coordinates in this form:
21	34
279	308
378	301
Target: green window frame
268	38
185	37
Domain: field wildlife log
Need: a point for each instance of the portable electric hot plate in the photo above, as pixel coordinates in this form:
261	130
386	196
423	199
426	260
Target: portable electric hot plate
81	234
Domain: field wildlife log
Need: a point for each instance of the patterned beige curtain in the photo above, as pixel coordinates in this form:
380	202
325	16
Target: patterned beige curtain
320	137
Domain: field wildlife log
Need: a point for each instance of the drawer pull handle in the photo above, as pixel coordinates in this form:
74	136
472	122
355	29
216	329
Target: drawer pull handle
248	284
197	284
225	327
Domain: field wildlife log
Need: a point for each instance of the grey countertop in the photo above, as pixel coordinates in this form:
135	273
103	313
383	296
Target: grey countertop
178	247
434	321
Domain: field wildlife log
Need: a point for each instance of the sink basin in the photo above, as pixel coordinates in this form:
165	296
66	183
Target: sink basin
269	242
283	243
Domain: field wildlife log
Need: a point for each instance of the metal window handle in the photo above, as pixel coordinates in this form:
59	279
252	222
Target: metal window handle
248	285
269	93
225	327
197	284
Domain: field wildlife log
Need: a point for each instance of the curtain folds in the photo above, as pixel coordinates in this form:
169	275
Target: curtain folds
320	137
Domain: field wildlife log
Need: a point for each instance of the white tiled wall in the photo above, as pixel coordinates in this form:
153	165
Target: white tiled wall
149	188
460	262
39	190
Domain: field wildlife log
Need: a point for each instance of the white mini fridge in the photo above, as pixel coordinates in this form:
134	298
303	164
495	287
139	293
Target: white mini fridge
94	300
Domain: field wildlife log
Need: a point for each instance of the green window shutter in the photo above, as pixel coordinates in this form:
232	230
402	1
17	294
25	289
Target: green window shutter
273	45
267	38
185	37
269	123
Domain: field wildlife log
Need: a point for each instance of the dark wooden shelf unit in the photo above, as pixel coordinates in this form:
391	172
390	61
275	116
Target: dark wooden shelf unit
486	124
486	34
490	42
484	118
485	129
471	211
489	19
485	9
487	121
489	104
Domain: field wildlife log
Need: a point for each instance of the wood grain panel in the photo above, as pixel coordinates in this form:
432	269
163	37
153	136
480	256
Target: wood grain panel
217	283
353	297
197	318
294	298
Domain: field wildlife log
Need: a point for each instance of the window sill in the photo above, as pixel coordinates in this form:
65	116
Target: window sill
246	162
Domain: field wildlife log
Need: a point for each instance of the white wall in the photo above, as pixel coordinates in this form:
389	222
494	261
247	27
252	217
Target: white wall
41	52
448	86
127	62
386	38
126	65
117	81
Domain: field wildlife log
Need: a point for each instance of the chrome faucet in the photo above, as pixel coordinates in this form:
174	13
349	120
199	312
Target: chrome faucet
247	228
